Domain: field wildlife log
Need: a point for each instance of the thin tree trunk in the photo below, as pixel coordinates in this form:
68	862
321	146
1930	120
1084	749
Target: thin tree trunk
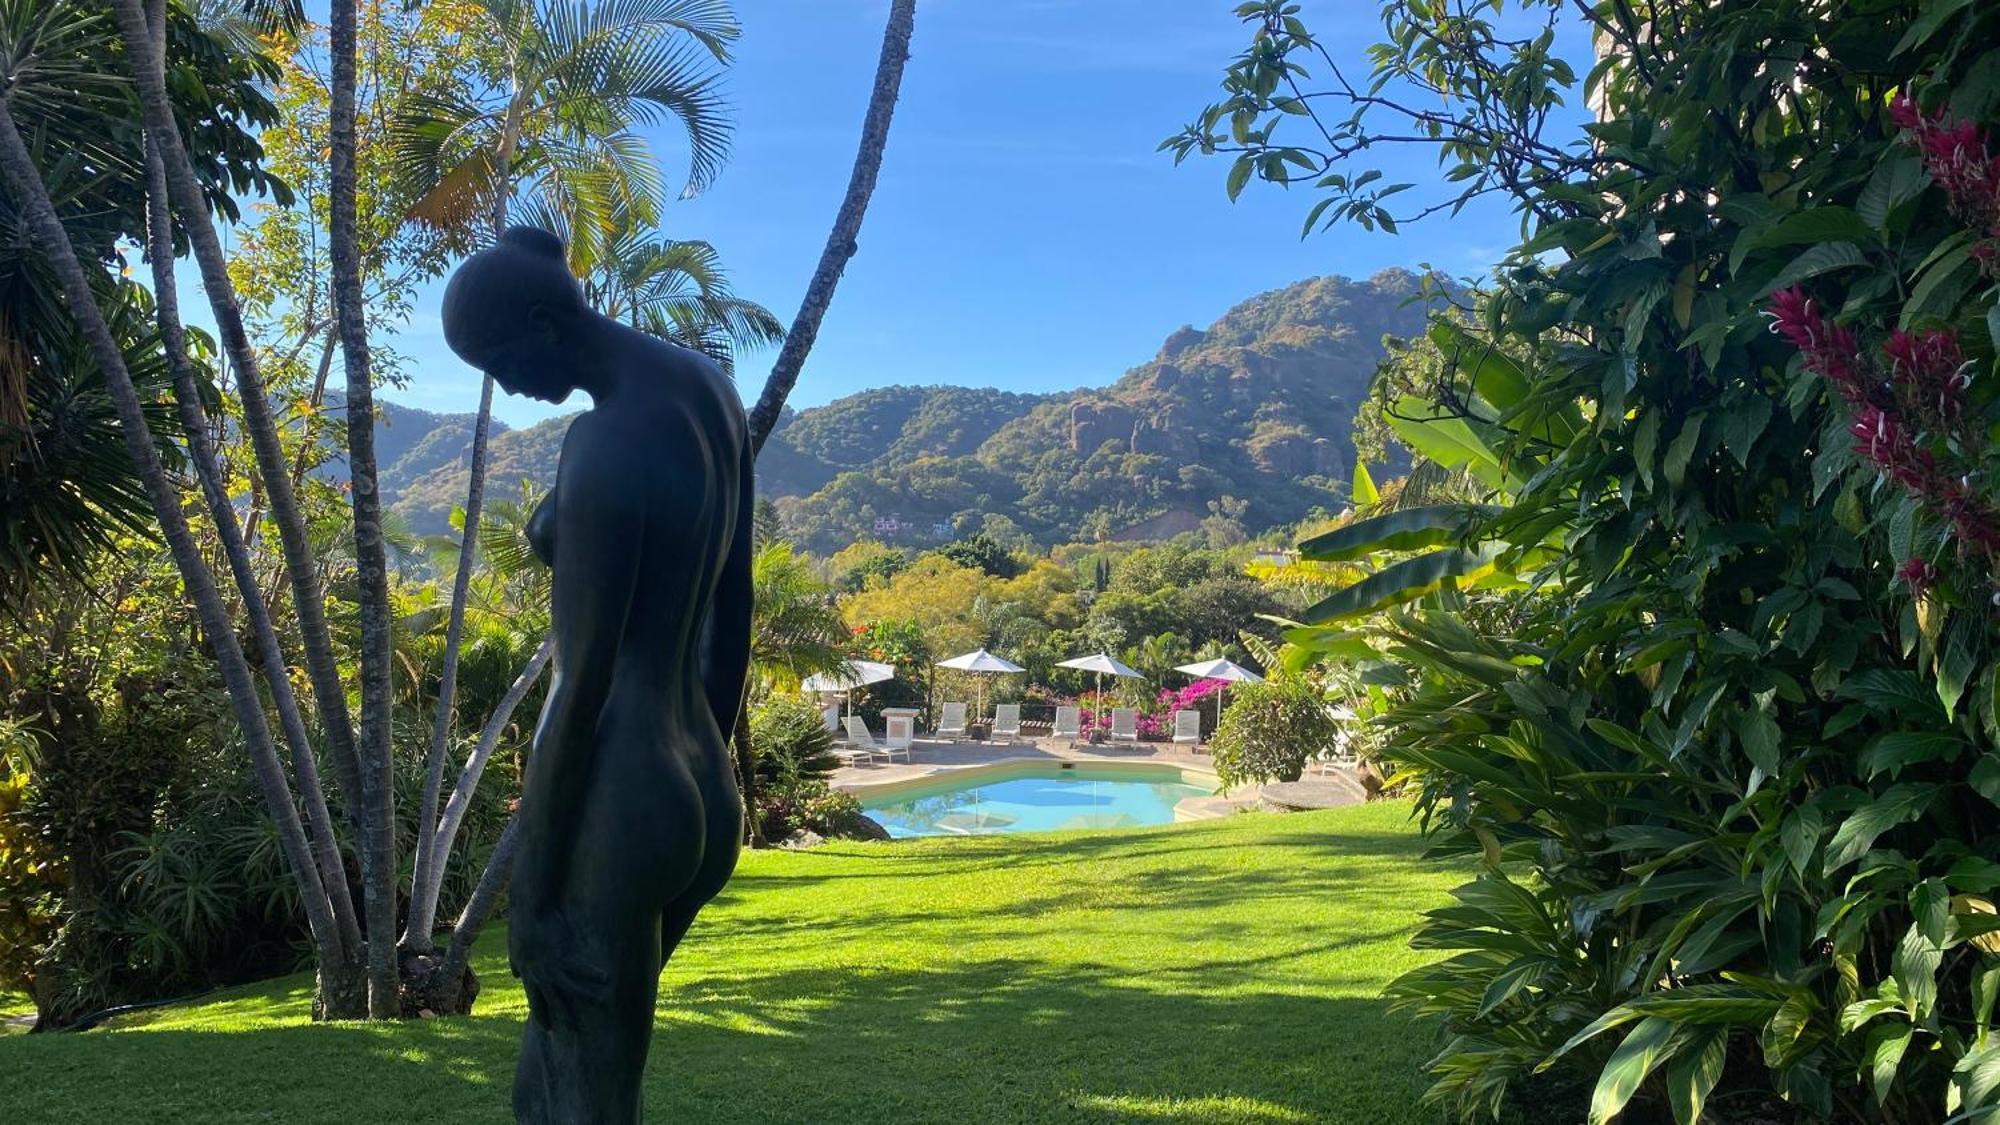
329	694
479	907
428	875
24	183
194	422
746	779
437	847
840	242
371	559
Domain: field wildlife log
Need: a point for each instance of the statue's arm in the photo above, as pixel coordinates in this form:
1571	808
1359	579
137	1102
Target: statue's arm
727	668
598	519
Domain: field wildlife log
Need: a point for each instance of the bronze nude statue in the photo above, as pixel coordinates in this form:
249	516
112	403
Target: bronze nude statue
630	816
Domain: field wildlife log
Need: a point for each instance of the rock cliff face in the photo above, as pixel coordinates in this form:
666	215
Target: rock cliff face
1255	408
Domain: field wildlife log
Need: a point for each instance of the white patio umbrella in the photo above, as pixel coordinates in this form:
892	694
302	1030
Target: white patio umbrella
858	673
1103	664
1228	671
985	664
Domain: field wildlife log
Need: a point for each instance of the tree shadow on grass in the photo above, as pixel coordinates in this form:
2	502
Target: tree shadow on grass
988	1042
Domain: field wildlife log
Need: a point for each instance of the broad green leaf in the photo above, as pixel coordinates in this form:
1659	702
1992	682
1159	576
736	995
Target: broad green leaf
1496	378
1896	692
1900	804
1893	752
1409	529
1365	492
1681	451
1819	224
1957	661
1406	581
1927	24
1985	776
1451	442
1915	965
1886	1045
1741	425
1976	1081
1895	182
1799	835
1816	260
1694	1071
1629	1065
1930	903
1760	735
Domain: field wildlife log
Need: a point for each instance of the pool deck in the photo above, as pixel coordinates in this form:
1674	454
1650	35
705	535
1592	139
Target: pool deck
935	758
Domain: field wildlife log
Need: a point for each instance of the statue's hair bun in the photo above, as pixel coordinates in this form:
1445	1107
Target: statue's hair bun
534	240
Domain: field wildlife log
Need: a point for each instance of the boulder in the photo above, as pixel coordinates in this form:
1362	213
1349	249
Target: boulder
802	839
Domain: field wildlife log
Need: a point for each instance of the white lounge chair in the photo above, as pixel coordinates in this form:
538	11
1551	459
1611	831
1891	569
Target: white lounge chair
1187	728
1069	724
951	721
1125	724
1007	722
863	743
898	732
832	717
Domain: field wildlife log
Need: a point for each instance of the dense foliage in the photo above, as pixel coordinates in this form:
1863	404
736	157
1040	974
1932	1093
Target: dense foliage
1730	763
1271	731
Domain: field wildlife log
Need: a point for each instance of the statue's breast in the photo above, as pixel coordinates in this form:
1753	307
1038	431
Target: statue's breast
542	530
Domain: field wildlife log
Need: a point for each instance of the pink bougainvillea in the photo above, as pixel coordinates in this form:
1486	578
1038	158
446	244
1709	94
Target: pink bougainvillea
1157	722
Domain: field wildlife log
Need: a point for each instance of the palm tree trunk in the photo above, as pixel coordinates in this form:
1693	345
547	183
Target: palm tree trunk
479	907
25	184
428	875
329	694
840	242
371	559
436	849
746	779
277	676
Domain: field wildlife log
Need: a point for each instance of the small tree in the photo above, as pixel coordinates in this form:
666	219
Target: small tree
1271	730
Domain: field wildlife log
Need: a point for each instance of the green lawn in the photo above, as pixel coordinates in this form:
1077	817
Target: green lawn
1227	971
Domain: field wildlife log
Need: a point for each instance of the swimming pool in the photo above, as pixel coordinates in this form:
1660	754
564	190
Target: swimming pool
1034	798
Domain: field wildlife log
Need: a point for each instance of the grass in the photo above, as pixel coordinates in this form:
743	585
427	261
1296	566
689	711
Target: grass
1221	972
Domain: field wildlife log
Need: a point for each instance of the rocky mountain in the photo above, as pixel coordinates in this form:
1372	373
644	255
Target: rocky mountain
1246	420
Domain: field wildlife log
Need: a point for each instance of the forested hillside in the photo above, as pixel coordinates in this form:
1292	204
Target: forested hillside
1245	422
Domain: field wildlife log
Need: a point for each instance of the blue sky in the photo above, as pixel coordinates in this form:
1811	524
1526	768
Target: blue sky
1024	233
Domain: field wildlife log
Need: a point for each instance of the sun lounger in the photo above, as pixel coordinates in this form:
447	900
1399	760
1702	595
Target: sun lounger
1125	724
1069	724
1007	722
864	744
1187	728
951	721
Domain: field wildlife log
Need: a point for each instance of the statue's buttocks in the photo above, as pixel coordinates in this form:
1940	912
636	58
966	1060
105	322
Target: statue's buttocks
630	816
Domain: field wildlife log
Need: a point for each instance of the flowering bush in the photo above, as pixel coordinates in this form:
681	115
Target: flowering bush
1156	724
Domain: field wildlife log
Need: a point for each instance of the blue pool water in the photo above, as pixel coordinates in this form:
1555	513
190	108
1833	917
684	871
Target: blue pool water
1038	800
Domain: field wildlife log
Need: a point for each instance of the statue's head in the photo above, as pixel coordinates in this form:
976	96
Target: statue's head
514	311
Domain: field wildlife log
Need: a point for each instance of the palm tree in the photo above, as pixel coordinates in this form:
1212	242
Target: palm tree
842	240
571	86
669	288
370	553
795	627
24	184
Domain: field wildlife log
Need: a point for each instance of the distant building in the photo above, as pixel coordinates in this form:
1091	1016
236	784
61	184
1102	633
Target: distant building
941	531
1272	556
888	525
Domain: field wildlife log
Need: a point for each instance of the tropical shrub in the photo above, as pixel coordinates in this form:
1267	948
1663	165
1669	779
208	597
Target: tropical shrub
794	760
1271	730
1729	765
